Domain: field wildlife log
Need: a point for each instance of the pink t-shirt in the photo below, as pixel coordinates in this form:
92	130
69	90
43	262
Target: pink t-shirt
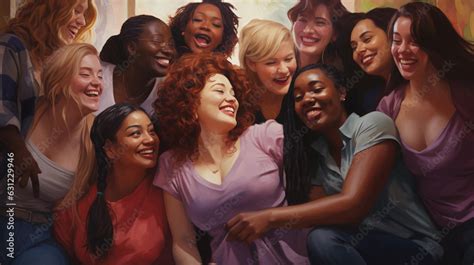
445	169
255	182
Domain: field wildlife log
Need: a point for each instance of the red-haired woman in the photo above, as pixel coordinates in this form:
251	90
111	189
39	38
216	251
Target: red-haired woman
220	165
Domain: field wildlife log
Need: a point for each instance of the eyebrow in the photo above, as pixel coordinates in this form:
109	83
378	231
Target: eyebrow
314	82
88	68
133	126
219	84
202	13
364	33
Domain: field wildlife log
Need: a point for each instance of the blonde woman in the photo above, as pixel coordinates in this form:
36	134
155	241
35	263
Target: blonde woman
38	29
59	142
267	55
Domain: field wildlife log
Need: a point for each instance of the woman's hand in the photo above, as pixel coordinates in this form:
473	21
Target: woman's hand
249	226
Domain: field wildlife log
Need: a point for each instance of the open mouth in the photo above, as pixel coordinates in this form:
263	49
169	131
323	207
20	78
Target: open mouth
148	153
313	113
407	64
228	110
307	40
163	61
92	93
72	32
282	80
367	59
202	40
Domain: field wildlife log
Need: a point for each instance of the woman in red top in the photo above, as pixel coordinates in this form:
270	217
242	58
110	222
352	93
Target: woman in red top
122	219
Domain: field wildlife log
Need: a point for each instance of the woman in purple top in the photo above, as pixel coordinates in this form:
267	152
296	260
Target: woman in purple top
432	105
219	165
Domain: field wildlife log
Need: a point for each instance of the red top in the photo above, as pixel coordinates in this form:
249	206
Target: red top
141	233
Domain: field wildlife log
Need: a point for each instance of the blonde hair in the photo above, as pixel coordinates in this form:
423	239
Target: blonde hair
60	68
38	24
259	40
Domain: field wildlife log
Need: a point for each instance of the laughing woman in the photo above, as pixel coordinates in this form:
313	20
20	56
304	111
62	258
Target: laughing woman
121	220
38	29
267	55
135	62
432	105
219	165
346	181
59	142
209	26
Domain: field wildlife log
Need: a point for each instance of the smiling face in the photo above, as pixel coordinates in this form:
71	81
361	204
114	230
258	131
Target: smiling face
275	72
318	103
313	30
86	85
204	29
154	49
136	143
371	49
411	60
69	31
218	106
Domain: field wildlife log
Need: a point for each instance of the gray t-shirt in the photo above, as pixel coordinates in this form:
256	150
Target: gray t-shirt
398	210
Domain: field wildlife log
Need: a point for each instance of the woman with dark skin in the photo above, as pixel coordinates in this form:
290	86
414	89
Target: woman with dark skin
431	102
209	26
340	169
135	60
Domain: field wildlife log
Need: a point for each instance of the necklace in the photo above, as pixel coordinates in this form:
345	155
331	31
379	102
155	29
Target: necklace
135	99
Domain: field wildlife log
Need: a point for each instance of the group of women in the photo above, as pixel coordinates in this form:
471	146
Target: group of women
282	160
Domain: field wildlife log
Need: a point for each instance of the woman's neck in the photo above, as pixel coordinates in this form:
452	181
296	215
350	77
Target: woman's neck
212	146
123	180
270	105
130	80
307	59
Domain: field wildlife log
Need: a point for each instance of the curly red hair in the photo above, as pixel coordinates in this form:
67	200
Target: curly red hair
178	100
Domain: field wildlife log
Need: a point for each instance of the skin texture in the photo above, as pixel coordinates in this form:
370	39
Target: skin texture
371	49
312	32
76	22
206	20
86	86
367	175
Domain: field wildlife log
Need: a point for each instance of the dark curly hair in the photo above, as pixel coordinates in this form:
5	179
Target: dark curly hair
229	19
178	100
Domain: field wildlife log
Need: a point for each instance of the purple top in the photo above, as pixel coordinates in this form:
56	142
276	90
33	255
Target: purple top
445	169
255	182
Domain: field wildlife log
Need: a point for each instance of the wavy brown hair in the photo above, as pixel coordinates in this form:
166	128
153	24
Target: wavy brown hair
37	23
179	98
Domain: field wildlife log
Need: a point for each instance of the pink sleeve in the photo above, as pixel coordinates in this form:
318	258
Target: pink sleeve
269	137
166	175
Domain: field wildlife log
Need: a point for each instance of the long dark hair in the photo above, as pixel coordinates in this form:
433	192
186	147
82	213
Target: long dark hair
300	159
229	19
100	231
115	49
428	25
360	84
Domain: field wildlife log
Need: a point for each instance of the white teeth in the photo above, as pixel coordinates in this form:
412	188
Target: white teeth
229	109
402	61
306	39
148	151
164	62
92	93
367	58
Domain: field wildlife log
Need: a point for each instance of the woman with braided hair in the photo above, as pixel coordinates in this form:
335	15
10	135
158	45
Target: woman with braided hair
119	213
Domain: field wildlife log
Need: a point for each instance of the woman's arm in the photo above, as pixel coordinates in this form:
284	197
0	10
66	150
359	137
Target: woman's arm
365	180
184	237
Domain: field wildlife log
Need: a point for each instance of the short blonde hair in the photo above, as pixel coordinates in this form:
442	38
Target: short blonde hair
260	39
38	24
60	69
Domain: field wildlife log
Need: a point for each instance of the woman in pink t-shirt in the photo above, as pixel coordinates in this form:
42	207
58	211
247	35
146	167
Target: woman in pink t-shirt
219	165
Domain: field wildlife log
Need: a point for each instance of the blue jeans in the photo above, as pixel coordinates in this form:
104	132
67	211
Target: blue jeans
33	244
334	246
